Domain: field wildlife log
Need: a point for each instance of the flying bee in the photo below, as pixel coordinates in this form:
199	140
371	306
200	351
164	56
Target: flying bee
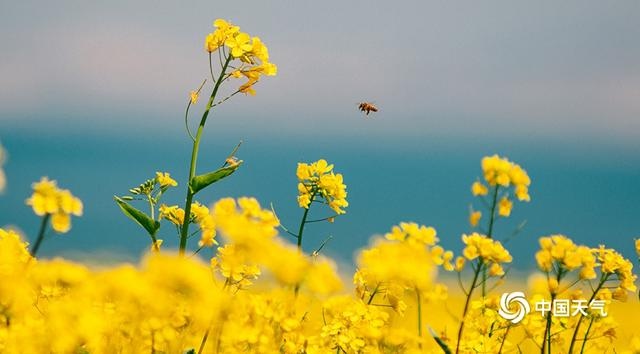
367	107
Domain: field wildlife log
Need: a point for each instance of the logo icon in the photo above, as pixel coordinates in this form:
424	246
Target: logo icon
506	301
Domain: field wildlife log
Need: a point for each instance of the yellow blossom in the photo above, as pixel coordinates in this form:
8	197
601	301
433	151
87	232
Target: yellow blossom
318	180
193	97
414	233
489	250
172	213
504	207
474	217
240	44
459	266
478	188
60	204
165	180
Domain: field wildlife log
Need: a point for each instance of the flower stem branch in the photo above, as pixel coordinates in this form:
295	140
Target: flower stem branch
575	332
184	232
466	303
43	228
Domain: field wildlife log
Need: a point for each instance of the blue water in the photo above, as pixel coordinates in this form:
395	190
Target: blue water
590	192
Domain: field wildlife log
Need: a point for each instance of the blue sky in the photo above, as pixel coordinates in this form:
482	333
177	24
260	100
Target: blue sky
562	70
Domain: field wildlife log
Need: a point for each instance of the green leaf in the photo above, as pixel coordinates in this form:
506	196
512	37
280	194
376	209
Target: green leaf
190	351
139	217
200	182
441	343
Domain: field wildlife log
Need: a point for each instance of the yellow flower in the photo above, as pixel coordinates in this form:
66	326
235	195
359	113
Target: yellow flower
61	222
638	247
504	207
48	199
478	188
165	180
318	180
612	262
413	233
44	199
496	270
172	213
240	44
193	96
200	214
499	171
224	30
489	250
474	217
415	271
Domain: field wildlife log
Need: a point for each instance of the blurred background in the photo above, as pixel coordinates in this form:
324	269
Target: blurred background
93	96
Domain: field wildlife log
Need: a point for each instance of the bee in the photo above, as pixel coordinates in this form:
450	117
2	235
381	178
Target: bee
367	107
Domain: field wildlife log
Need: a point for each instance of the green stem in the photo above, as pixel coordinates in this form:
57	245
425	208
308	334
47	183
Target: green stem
575	332
204	341
184	232
504	339
304	221
493	211
373	294
43	228
546	338
301	231
494	202
466	304
151	207
586	334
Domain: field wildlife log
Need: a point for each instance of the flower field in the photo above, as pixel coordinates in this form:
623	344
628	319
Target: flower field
262	293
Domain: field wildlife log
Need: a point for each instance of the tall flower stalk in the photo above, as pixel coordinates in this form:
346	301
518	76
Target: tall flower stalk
240	56
184	230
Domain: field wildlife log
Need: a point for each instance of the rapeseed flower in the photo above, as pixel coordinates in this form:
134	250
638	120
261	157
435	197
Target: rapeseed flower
165	180
49	200
474	217
504	207
560	251
251	51
318	180
612	262
502	172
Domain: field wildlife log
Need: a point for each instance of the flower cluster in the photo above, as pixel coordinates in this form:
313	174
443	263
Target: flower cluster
486	332
352	326
250	51
560	253
165	180
381	277
199	215
613	263
252	242
500	171
490	251
501	174
49	200
317	179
